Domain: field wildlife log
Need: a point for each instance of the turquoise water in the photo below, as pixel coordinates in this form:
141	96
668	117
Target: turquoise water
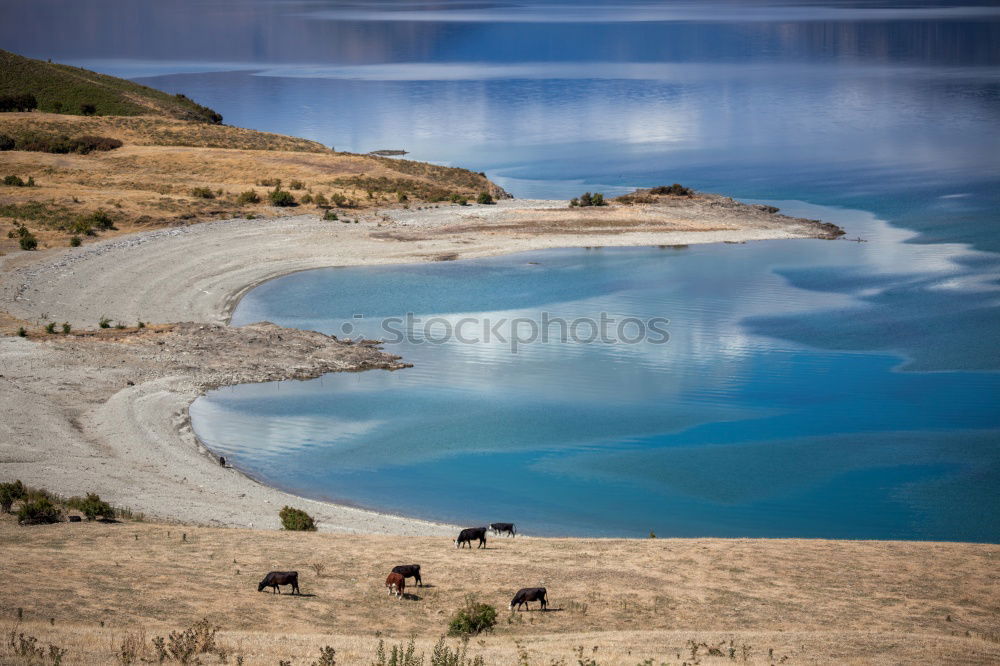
808	388
731	428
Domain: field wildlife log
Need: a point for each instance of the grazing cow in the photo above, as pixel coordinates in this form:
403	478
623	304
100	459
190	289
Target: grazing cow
502	528
276	578
467	535
527	594
395	584
409	571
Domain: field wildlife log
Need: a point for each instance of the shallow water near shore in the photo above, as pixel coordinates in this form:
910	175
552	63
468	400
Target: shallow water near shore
725	430
808	388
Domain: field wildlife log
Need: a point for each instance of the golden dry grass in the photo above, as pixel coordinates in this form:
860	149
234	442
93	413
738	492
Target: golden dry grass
83	586
148	182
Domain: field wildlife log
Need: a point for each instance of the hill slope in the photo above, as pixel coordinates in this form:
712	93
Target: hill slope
65	89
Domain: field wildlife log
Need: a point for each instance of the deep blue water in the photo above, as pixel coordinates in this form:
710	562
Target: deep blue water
809	388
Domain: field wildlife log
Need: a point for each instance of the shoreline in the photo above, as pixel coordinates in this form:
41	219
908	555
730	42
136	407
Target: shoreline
138	431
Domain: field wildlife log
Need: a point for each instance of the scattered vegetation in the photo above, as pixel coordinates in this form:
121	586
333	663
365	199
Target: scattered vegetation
330	216
185	646
22	648
15	181
202	193
41	142
484	198
296	520
92	506
28	84
104	322
587	199
676	190
472	619
26	240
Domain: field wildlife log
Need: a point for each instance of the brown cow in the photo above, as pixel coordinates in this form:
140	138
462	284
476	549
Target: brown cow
395	584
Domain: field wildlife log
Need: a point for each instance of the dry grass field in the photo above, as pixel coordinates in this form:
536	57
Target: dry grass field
152	180
87	587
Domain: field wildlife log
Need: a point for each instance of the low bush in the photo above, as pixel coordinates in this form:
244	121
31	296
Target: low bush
321	201
46	143
66	328
104	322
22	332
281	198
88	109
89	224
15	181
306	198
484	198
28	242
11	492
296	520
296	185
7	142
248	197
185	646
676	190
24	102
202	193
588	199
37	511
472	619
91	506
75	241
50	327
330	216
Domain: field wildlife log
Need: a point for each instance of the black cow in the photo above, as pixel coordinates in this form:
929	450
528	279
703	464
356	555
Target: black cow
409	571
276	578
501	528
527	594
468	534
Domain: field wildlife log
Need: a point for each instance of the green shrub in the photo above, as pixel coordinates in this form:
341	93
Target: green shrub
320	201
296	185
11	492
13	181
86	224
21	333
327	657
330	216
472	619
202	193
104	322
74	241
92	506
46	143
281	198
296	520
306	198
588	199
28	241
7	142
66	328
401	197
248	197
88	109
484	198
676	190
50	327
38	510
25	102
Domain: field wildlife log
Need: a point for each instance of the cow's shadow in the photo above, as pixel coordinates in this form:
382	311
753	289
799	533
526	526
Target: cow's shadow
425	585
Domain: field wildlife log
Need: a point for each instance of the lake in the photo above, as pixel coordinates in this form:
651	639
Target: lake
808	388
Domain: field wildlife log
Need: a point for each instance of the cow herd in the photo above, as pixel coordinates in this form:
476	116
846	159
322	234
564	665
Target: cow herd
395	582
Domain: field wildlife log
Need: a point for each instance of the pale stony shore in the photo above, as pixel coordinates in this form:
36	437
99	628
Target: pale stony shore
109	413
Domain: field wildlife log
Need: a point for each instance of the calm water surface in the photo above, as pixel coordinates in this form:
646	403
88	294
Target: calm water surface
809	388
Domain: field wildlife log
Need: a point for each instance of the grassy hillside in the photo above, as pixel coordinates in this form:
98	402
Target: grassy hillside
65	89
92	588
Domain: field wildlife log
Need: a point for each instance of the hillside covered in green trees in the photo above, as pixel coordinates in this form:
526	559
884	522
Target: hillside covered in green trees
26	84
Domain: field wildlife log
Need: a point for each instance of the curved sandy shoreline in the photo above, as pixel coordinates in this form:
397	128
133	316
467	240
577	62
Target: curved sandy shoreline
120	426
